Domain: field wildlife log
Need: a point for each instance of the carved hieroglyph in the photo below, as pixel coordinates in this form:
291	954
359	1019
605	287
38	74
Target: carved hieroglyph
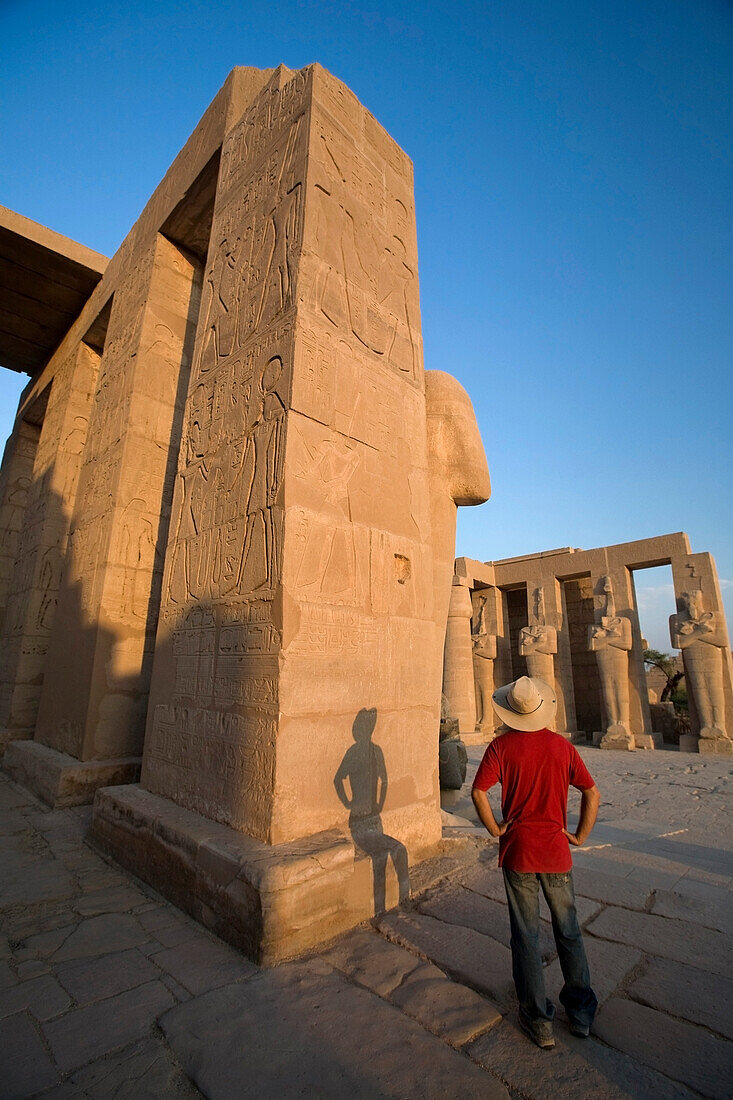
702	636
610	640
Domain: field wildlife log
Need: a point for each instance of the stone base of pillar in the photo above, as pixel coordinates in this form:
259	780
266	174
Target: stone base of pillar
580	737
62	780
271	901
647	741
478	737
616	737
10	734
688	742
721	746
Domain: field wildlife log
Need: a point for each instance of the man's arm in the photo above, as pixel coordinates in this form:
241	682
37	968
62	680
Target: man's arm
589	803
486	814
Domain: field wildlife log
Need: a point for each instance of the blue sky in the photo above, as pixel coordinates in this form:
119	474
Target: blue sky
573	190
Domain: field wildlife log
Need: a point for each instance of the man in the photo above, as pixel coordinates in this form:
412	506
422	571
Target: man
535	768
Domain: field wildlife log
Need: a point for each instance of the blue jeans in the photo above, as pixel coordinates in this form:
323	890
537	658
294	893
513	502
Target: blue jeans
577	997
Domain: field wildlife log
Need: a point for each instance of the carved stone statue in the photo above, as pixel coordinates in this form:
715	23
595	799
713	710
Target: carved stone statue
538	643
701	635
484	654
611	641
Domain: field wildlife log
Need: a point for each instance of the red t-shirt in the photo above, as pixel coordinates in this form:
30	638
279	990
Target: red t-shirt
535	771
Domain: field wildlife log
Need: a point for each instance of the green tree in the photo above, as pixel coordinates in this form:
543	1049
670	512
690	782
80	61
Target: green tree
667	665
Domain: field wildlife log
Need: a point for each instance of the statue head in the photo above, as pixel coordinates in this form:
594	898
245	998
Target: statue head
454	442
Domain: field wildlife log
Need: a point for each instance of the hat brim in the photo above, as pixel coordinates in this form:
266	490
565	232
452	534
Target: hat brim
542	718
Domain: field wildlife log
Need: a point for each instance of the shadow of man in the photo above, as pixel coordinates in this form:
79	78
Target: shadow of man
363	765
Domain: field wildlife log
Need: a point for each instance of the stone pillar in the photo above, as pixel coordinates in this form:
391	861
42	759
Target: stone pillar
290	761
16	477
62	416
699	631
610	640
458	682
91	715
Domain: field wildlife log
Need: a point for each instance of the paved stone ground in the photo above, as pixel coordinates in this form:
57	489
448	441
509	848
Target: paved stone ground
106	990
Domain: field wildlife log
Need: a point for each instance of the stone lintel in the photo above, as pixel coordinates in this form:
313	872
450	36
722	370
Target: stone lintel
61	780
271	901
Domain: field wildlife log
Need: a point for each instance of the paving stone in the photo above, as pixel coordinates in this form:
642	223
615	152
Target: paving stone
448	1009
467	956
13	797
175	988
459	906
696	995
372	961
43	997
5	950
610	889
693	887
671	939
26	1068
46	881
204	964
44	944
577	1069
96	979
101	936
282	1034
7	977
31	968
88	1033
483	879
706	911
119	899
609	964
143	1071
679	1050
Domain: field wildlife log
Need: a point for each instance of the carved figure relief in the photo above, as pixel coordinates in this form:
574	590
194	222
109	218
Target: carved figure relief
365	287
611	641
702	637
484	654
538	643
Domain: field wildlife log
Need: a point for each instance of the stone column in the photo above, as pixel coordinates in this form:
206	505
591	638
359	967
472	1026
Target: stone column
62	416
16	477
610	640
91	715
292	730
458	682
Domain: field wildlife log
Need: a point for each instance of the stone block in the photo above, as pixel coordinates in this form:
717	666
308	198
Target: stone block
283	1033
98	978
369	960
42	997
576	1069
679	1050
452	764
271	901
103	935
448	1009
467	956
712	912
202	964
462	907
143	1071
696	995
671	939
26	1067
609	964
61	780
91	1032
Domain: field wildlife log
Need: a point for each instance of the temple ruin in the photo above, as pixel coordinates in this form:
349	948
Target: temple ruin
229	504
570	617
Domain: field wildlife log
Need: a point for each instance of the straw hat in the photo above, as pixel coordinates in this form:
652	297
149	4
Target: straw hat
526	704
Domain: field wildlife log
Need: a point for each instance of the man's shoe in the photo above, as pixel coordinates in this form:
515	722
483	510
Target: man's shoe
539	1031
580	1031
